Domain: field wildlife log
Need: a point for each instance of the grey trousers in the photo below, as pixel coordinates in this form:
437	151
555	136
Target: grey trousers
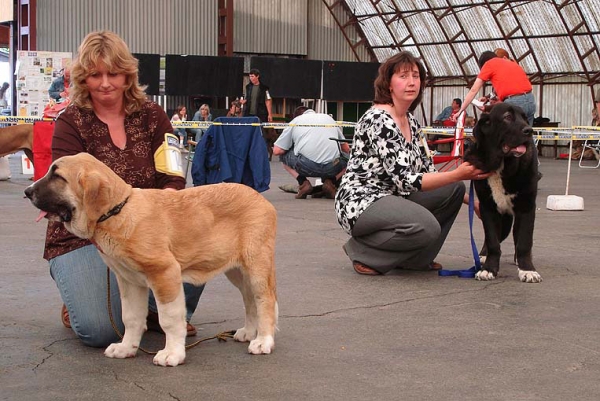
396	232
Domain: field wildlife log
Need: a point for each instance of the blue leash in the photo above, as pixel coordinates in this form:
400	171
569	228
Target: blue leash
467	273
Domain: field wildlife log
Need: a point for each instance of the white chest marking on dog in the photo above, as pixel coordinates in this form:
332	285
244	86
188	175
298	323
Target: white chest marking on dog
504	201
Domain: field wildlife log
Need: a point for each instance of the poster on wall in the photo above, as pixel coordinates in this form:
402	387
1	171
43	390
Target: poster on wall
35	71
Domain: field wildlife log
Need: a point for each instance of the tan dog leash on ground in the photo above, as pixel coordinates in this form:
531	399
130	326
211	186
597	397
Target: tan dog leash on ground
223	336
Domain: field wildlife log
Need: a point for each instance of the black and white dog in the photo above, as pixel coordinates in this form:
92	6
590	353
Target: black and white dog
504	144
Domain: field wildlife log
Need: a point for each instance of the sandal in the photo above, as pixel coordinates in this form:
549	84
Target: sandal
435	266
64	317
364	269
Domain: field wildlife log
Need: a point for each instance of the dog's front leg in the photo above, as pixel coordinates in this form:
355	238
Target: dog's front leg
492	223
171	316
523	237
134	304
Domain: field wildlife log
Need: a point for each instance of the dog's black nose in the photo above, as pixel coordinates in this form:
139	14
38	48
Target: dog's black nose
29	192
528	130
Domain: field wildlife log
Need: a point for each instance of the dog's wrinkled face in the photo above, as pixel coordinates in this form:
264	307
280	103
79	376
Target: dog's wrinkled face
502	133
75	192
53	196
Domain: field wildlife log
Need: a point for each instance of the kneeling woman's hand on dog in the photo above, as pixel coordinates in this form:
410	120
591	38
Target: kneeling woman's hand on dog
465	171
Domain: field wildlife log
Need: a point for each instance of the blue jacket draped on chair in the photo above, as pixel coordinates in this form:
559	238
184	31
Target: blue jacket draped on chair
232	153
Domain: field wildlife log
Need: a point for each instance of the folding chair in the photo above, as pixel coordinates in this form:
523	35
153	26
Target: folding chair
339	142
190	156
536	143
458	143
594	145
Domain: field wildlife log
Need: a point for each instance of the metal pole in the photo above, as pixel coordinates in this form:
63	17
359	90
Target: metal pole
569	166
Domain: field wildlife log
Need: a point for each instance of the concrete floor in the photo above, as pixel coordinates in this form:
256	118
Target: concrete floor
404	336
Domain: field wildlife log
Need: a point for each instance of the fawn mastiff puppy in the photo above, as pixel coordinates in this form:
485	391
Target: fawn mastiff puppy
504	144
158	239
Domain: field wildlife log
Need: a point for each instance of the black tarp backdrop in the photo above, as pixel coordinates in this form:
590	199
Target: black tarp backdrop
287	78
149	72
349	81
290	77
204	75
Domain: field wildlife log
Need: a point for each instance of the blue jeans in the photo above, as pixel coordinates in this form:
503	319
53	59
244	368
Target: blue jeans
80	276
309	168
527	103
182	133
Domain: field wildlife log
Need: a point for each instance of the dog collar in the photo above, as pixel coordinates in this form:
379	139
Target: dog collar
114	211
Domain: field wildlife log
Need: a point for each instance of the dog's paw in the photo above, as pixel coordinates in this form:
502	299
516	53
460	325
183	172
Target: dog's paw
166	357
528	276
484	275
244	335
262	345
120	351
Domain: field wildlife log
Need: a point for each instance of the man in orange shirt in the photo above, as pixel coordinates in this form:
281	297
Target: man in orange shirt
509	81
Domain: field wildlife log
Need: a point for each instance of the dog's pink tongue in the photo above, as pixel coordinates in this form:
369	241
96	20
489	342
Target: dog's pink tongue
519	150
41	216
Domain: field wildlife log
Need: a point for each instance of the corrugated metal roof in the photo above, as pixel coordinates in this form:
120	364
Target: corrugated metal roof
332	36
548	38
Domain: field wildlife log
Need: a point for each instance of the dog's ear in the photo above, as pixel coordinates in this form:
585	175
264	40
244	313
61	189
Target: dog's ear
481	127
495	105
96	194
478	153
472	151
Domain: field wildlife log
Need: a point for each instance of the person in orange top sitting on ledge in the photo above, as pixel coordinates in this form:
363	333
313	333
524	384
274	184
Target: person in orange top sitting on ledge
444	117
509	81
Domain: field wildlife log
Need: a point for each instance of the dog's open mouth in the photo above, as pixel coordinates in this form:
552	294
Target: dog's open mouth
41	215
516	152
63	215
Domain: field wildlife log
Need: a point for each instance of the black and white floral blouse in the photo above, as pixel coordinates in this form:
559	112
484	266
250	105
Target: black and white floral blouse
381	163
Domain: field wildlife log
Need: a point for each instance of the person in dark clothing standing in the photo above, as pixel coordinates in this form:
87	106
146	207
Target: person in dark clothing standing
257	100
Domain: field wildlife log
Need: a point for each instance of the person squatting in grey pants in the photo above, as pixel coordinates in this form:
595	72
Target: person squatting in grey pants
398	232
